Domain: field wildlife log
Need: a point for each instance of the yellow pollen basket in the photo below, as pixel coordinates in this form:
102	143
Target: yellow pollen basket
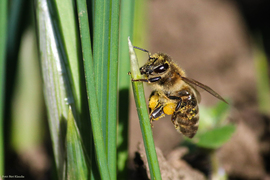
169	108
153	102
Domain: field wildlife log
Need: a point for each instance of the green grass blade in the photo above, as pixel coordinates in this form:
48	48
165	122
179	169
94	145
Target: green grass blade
263	85
101	55
56	80
76	160
91	89
16	25
68	32
112	95
3	30
143	116
126	29
66	29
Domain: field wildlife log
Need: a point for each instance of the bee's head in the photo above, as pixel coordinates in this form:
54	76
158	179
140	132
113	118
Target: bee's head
157	64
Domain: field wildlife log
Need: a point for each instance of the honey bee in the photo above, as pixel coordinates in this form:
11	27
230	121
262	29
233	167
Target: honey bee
174	94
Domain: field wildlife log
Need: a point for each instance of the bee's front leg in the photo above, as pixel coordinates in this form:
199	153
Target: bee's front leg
150	80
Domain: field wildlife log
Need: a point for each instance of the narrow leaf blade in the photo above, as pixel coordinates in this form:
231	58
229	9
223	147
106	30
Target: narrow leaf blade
76	159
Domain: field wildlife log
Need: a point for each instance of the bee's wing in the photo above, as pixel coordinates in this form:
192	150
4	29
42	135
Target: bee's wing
198	94
195	83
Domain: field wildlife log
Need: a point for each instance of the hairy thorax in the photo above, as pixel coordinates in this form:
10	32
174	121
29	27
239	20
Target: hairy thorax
171	81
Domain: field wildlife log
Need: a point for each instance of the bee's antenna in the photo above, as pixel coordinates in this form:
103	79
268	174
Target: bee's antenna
149	54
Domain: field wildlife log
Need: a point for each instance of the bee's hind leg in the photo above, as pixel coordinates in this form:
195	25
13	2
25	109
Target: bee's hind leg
178	105
174	121
156	114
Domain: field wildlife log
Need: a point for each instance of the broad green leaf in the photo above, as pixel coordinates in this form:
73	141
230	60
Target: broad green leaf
213	116
215	137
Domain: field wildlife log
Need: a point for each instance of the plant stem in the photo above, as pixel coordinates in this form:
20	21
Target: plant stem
217	172
143	116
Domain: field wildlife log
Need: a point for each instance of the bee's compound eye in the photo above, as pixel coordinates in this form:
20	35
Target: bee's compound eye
161	68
